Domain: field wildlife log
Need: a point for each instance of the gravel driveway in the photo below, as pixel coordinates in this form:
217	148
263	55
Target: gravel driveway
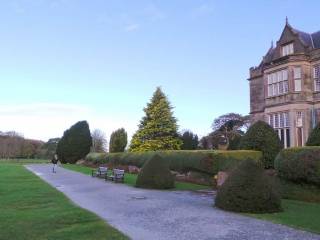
150	214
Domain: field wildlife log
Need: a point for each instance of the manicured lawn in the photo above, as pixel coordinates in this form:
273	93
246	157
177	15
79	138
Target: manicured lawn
297	214
23	161
32	209
130	179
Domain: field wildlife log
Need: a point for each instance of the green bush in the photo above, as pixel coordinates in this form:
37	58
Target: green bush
314	137
300	165
155	174
248	189
205	161
262	137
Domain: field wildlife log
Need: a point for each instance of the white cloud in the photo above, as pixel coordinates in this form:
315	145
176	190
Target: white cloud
132	27
47	120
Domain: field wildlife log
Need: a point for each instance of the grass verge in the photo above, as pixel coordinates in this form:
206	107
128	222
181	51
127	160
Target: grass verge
130	179
297	214
32	209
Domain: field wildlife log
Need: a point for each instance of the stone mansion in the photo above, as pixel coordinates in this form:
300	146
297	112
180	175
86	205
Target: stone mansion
285	87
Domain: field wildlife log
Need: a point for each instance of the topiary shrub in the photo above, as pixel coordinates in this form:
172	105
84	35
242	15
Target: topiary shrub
262	137
155	174
314	137
299	165
249	189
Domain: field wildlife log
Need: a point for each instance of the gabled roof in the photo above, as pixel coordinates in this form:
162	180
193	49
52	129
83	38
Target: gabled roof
308	40
311	40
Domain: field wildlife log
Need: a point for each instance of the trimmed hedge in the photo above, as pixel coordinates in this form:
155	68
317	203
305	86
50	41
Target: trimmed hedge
299	164
96	158
249	189
205	161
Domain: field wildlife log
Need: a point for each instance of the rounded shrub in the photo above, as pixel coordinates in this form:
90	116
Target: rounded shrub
300	165
155	174
262	137
314	137
248	189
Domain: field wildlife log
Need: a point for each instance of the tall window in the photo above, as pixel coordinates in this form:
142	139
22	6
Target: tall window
316	77
280	122
299	125
297	78
277	83
287	49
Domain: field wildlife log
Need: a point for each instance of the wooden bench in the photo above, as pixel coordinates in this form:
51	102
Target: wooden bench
117	176
99	172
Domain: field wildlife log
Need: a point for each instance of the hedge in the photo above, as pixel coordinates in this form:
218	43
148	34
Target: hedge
206	161
96	157
299	164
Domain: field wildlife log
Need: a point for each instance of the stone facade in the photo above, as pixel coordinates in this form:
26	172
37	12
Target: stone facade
285	87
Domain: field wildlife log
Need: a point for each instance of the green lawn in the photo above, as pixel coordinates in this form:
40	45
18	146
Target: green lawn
23	161
297	214
130	179
32	209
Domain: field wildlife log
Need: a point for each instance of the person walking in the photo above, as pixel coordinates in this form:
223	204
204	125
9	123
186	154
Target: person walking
54	162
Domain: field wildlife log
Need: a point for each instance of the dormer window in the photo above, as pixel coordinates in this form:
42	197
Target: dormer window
287	49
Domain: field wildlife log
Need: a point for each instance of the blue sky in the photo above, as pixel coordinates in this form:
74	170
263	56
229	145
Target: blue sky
67	60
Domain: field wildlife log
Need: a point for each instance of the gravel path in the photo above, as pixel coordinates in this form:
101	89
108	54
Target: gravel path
170	215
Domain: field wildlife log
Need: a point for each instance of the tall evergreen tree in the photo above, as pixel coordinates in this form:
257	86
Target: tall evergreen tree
158	129
75	143
190	141
118	141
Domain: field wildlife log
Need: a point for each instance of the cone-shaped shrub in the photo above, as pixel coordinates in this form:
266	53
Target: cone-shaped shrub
155	174
314	137
262	137
248	189
75	143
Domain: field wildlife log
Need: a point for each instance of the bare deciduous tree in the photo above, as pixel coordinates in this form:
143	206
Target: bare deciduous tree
99	141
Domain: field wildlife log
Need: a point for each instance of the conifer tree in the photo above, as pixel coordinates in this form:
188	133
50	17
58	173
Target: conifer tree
158	129
118	141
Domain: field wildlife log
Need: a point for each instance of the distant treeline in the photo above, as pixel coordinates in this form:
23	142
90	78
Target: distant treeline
13	145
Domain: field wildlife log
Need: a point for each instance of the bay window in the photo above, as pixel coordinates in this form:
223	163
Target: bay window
281	124
277	83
